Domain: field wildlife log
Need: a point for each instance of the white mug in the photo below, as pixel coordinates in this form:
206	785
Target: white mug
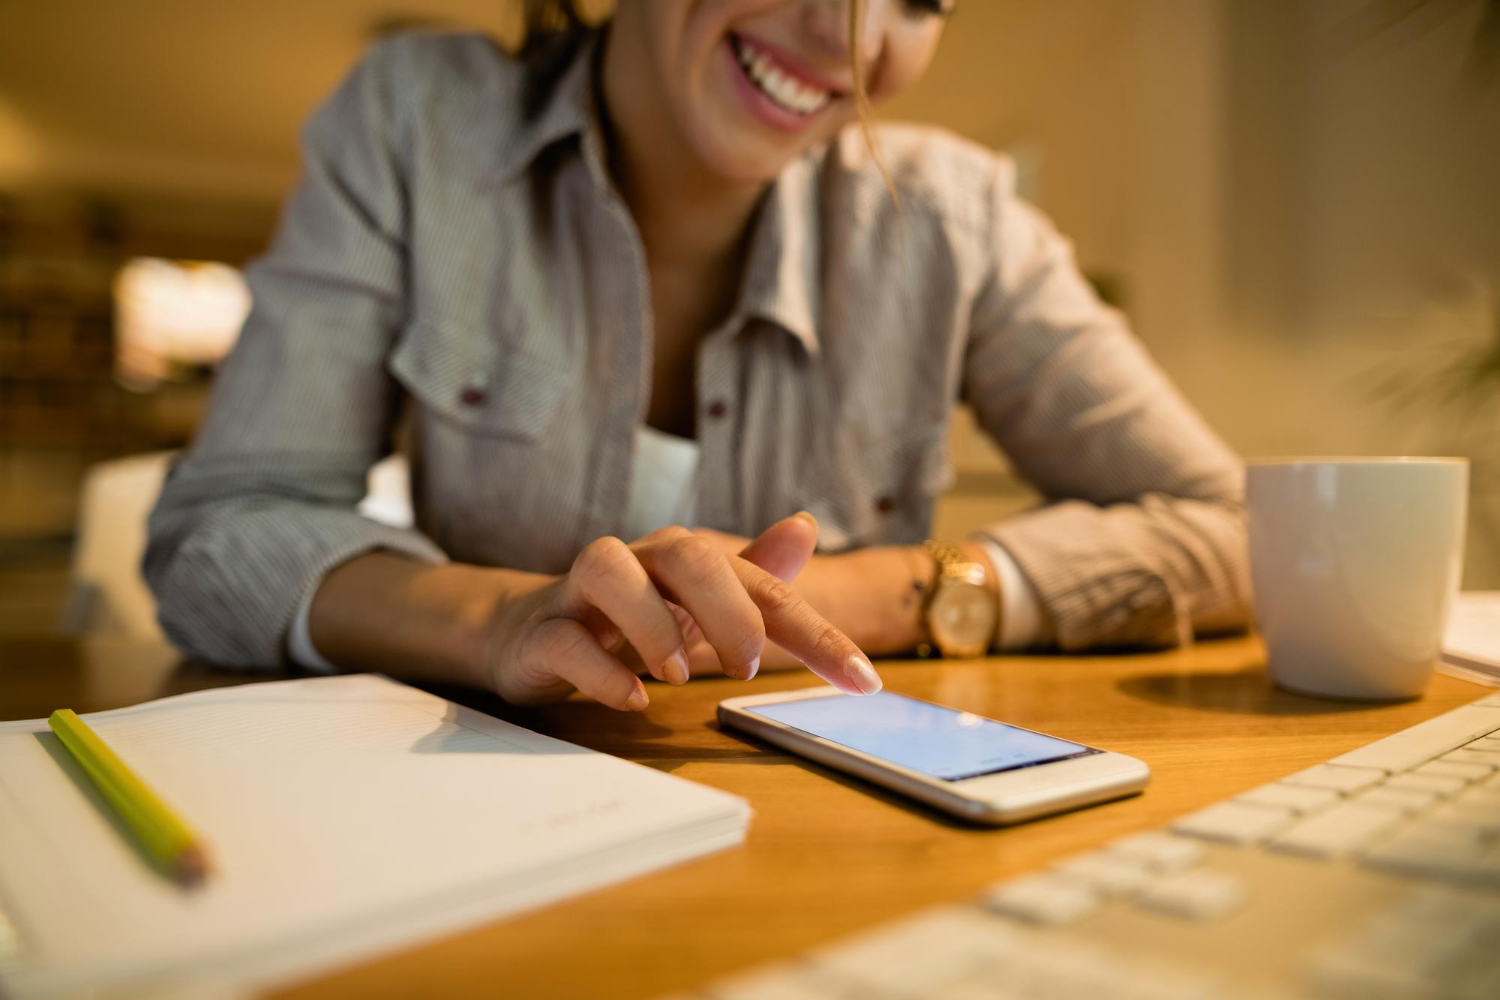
1355	562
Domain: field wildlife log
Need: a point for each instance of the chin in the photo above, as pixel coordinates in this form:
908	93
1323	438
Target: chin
740	162
745	154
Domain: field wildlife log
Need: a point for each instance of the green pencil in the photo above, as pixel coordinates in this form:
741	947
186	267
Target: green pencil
169	842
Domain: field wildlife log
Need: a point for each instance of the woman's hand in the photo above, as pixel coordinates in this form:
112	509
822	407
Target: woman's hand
872	595
659	595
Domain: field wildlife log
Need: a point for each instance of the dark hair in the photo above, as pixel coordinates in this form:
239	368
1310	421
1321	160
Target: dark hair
554	32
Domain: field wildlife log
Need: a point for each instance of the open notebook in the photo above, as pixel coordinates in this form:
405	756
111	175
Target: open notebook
346	815
1471	644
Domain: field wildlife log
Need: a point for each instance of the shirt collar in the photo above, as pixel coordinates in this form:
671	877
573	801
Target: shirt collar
568	110
780	283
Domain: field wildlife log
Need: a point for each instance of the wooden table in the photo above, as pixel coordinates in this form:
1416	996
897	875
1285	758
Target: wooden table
826	855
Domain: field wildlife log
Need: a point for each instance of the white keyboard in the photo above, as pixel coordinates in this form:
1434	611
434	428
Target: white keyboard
1375	875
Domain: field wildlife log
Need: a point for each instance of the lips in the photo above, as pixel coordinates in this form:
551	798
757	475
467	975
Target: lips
778	82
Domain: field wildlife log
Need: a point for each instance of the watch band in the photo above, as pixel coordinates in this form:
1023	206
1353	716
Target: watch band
947	556
928	588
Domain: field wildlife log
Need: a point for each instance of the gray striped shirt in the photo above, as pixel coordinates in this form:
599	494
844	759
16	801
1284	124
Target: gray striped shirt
447	259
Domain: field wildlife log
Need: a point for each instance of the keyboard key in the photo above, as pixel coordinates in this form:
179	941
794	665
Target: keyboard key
1436	784
1422	854
922	953
1448	769
1107	875
1404	799
1423	797
1478	758
1426	740
1234	823
1477	822
1051	968
1337	831
1160	852
1437	944
1297	798
1198	895
1344	780
1491	743
1049	900
1479	798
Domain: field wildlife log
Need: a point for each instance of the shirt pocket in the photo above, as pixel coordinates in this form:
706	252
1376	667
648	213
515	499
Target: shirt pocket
880	489
486	446
475	383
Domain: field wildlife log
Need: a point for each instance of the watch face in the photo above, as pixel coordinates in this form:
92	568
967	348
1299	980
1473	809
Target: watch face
962	619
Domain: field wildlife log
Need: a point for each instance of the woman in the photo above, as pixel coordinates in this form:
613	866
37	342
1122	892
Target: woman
656	278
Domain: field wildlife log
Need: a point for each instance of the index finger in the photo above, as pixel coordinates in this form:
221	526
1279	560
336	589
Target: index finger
796	627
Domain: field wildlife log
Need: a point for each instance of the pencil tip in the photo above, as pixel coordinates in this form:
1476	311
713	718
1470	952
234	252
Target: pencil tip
192	866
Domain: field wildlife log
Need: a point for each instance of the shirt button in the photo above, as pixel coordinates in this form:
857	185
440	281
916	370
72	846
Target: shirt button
716	410
471	396
885	504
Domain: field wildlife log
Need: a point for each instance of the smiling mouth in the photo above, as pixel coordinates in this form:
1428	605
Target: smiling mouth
784	90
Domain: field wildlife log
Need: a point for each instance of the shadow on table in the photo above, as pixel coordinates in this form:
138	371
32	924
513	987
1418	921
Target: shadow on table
189	675
576	720
1244	692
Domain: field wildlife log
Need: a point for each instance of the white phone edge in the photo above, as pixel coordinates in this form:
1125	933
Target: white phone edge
997	799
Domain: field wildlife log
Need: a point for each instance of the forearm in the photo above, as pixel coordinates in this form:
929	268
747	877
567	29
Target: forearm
533	639
229	557
387	612
411	619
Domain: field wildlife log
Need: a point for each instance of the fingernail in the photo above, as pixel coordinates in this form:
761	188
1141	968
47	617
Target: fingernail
637	700
752	669
807	517
675	670
864	675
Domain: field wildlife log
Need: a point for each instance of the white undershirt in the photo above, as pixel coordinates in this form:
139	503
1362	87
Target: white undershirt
663	491
663	485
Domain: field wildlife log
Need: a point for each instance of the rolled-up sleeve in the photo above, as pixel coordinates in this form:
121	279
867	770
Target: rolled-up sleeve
1143	538
263	503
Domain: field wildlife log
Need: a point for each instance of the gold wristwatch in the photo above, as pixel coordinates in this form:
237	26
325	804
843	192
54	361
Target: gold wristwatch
960	614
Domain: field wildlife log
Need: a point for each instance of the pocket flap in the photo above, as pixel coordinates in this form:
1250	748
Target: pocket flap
470	379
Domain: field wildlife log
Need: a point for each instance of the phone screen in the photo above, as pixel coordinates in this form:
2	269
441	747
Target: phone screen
940	742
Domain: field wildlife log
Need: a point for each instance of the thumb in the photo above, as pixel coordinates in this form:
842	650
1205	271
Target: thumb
784	548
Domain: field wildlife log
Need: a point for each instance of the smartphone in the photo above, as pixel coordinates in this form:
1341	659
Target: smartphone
976	768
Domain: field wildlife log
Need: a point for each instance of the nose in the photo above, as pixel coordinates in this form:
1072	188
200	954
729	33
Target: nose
828	22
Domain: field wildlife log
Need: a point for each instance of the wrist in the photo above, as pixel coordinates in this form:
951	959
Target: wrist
495	611
422	621
872	595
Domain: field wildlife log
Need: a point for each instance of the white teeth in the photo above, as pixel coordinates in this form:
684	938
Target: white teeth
780	87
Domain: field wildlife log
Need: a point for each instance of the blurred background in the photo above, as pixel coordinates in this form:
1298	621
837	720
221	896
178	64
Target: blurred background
1296	201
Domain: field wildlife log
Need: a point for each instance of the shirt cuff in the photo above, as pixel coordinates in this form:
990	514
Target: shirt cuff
299	644
1022	623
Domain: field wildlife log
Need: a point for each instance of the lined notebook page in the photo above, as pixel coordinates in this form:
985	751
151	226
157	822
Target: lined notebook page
343	813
